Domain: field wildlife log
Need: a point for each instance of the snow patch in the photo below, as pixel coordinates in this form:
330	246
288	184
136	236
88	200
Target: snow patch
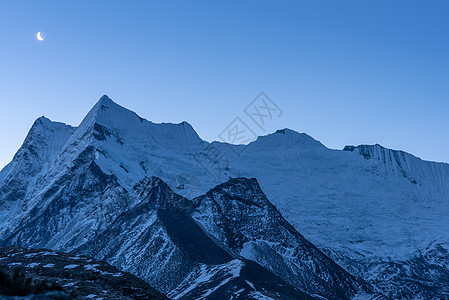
32	265
71	266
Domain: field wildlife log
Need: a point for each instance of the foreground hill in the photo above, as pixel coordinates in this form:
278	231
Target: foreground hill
58	275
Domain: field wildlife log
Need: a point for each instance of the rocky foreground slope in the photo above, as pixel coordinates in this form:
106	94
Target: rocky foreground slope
49	274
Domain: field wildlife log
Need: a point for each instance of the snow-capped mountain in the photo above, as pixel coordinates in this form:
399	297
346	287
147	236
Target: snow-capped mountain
379	213
146	229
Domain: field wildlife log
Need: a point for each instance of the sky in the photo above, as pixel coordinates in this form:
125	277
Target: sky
344	72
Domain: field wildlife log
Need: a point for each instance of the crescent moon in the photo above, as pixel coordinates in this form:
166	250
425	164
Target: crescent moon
39	37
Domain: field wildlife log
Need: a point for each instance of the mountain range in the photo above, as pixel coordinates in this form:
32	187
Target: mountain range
281	218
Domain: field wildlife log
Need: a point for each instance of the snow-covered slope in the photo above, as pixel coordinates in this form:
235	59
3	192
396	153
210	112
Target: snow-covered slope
367	207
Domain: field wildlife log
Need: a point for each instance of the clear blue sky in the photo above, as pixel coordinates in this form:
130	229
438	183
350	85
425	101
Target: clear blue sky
345	72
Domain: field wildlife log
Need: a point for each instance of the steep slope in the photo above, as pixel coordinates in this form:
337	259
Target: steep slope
422	267
428	179
42	144
326	189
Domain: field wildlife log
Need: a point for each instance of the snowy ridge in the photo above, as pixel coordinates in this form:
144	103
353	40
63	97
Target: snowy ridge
283	137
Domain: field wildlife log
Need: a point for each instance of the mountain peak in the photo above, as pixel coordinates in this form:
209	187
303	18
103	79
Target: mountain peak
44	128
105	103
42	144
105	98
40	125
122	120
243	188
106	110
288	136
42	120
148	183
240	181
108	115
156	192
47	123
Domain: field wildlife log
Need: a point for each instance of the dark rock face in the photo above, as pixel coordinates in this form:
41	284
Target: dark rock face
240	216
75	276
